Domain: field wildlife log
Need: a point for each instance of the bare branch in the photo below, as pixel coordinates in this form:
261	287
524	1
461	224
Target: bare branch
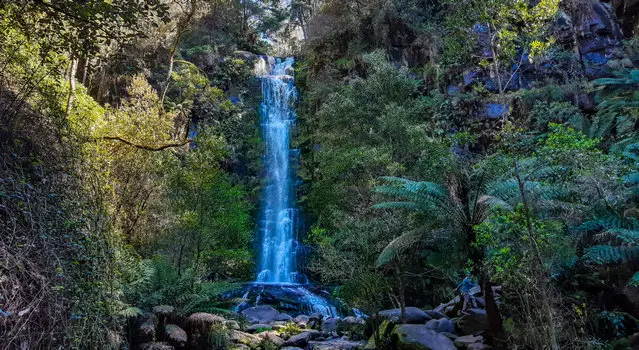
146	147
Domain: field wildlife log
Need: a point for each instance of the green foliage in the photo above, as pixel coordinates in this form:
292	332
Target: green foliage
618	107
218	337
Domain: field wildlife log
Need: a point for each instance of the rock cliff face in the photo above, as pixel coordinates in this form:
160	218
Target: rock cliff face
598	36
593	31
627	12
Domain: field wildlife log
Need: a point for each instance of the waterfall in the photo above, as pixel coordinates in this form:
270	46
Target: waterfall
278	215
277	229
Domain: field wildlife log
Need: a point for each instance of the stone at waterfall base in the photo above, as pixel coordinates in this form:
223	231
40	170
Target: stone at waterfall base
250	340
261	314
302	339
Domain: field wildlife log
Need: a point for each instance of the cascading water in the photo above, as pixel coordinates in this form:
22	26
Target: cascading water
278	213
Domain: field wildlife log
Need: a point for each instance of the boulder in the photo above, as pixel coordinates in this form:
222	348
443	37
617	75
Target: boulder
272	337
383	332
435	314
450	336
413	315
473	321
330	324
450	311
261	314
239	347
352	326
419	337
302	319
466	340
302	339
336	344
250	340
443	325
276	326
232	324
315	321
283	317
246	56
258	327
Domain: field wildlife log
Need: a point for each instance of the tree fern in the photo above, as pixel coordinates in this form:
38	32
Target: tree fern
618	99
131	312
605	254
620	235
634	280
397	246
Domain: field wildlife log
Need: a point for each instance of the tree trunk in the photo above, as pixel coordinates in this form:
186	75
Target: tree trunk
496	335
72	71
400	286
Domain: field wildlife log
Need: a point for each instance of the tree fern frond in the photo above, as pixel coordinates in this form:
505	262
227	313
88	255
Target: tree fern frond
506	190
605	254
420	198
548	172
131	312
395	248
622	235
631	151
634	280
398	205
430	188
493	202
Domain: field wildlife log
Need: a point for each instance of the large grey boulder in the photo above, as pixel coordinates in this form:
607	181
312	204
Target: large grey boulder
419	337
284	317
330	324
435	314
413	315
250	340
258	327
443	325
232	324
261	314
302	320
302	339
272	337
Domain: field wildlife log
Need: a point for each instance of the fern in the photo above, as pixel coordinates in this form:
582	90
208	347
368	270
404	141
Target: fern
131	312
397	246
622	235
634	280
618	105
605	254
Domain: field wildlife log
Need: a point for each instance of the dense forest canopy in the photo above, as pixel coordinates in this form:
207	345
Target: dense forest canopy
468	173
